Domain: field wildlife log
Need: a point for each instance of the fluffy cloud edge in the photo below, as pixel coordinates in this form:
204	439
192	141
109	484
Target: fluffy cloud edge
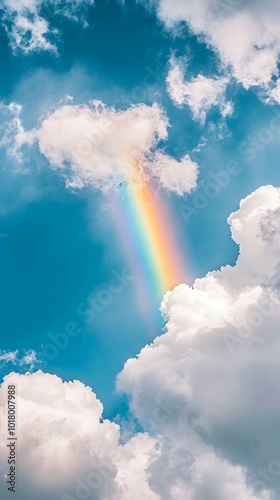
95	145
209	437
244	35
200	93
223	330
66	450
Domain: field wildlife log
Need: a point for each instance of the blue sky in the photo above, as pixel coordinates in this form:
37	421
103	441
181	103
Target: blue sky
60	245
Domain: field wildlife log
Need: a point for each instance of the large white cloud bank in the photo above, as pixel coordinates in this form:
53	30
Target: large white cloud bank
64	449
215	373
206	392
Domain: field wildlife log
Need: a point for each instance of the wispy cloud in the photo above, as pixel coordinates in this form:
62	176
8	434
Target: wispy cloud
244	34
200	93
30	23
26	359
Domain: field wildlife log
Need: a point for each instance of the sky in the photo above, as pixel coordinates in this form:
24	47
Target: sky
139	244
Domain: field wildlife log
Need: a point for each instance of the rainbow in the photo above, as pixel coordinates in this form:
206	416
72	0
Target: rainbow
148	236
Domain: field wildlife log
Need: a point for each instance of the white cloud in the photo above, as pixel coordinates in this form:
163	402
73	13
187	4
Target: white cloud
274	93
28	360
29	23
205	476
65	448
245	34
100	146
175	176
8	357
200	93
211	381
12	131
205	392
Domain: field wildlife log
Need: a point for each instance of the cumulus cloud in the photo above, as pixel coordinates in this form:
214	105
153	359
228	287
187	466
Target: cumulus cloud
64	448
212	380
200	93
205	392
245	34
100	146
29	23
175	176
